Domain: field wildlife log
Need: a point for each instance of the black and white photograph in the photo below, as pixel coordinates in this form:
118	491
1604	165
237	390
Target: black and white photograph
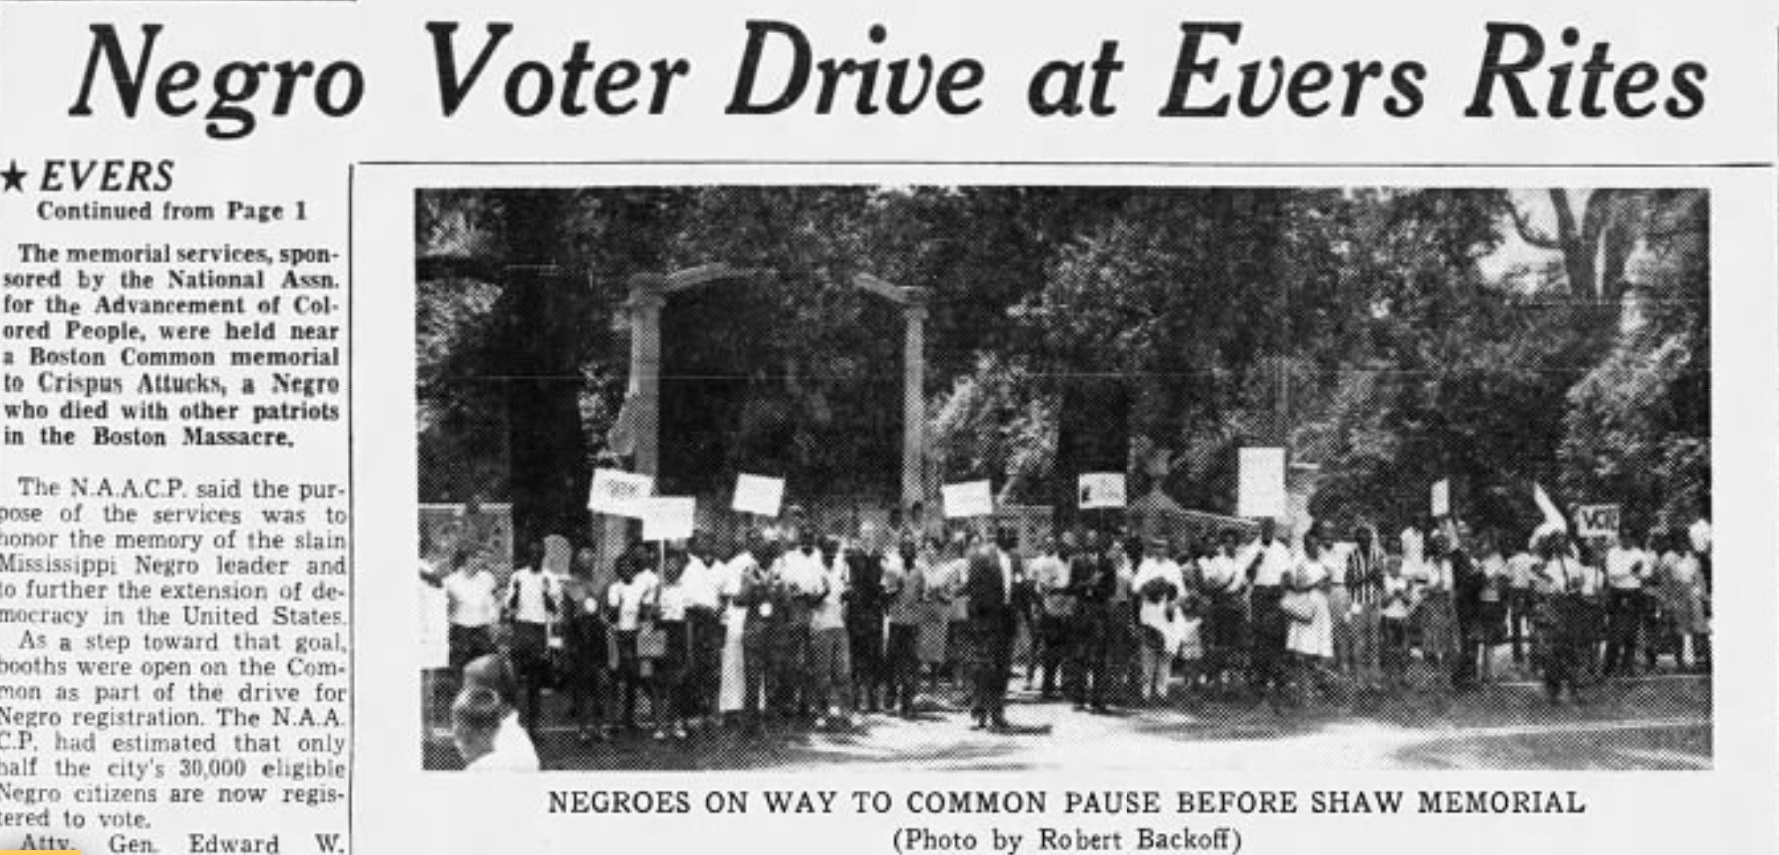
1049	478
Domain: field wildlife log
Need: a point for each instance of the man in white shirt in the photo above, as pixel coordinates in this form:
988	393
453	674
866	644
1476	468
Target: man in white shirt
1626	568
700	586
632	595
701	580
1273	559
630	602
1056	612
829	646
471	607
1521	568
801	571
1225	585
531	594
758	609
1268	560
798	576
531	604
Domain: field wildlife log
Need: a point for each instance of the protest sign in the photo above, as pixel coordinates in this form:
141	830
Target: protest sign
1100	490
1261	488
969	499
758	494
1597	520
619	493
669	518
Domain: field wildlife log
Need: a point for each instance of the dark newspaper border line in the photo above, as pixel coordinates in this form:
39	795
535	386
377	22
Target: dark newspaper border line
351	500
127	3
1140	163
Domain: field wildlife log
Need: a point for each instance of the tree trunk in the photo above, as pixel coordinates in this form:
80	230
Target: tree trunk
543	383
1572	241
1093	435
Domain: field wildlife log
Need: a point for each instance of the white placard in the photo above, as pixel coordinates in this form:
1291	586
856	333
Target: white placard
1100	490
669	518
1553	518
1442	497
969	499
1597	520
619	493
758	494
1261	488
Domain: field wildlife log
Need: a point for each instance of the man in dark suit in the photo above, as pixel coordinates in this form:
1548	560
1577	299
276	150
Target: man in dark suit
993	577
1467	584
1093	579
864	620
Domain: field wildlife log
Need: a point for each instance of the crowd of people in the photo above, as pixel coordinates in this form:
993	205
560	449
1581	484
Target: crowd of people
783	628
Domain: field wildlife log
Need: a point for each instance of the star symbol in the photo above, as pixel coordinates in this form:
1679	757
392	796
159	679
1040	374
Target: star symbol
14	177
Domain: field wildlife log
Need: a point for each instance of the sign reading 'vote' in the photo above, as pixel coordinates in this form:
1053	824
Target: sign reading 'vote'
1597	520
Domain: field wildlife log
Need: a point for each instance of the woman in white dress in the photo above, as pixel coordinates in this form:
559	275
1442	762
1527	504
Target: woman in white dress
1158	586
1310	636
731	692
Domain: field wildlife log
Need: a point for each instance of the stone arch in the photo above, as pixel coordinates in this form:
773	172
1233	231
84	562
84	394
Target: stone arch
640	416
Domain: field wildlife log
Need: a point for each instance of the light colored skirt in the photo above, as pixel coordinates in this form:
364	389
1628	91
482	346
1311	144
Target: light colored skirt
1314	637
734	683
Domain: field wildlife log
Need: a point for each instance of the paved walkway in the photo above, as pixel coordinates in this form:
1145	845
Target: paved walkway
1657	722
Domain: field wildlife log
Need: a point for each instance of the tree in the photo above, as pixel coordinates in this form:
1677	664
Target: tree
1071	327
1639	426
1595	248
511	310
789	370
995	424
1448	375
1146	328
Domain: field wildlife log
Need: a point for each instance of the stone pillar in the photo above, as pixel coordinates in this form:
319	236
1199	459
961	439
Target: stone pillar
914	404
644	395
642	399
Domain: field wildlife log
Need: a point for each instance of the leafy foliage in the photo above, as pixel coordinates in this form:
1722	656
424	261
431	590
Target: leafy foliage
1639	423
1371	331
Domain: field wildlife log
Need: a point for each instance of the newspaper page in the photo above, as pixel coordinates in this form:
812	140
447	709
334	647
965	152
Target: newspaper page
979	429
